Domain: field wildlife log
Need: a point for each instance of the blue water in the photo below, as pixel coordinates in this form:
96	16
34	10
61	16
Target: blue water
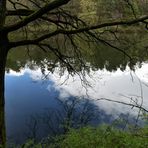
24	99
30	98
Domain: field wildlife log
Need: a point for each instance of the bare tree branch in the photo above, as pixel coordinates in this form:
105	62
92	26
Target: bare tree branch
124	103
37	14
19	12
76	31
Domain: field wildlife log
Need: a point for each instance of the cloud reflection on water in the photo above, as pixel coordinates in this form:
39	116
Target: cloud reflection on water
116	85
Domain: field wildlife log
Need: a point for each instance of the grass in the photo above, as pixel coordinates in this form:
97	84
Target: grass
100	137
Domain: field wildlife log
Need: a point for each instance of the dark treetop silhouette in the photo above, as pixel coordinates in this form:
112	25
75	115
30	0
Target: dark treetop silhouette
42	21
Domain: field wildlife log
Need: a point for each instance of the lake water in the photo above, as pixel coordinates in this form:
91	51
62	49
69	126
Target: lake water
39	102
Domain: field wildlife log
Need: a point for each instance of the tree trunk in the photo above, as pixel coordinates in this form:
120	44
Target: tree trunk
3	56
2	12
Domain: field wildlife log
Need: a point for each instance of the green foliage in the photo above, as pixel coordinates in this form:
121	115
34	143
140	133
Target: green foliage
104	10
104	137
31	144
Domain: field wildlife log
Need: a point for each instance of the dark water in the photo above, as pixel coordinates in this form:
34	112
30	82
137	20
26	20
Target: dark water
42	98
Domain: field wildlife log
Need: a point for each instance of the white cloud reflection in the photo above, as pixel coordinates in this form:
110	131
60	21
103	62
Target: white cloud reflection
121	86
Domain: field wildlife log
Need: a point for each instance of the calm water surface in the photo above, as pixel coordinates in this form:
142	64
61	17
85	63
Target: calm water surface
32	96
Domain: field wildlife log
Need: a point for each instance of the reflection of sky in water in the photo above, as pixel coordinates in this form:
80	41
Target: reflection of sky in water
27	93
25	98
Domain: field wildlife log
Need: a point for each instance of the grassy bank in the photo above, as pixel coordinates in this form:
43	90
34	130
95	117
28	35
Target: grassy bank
100	137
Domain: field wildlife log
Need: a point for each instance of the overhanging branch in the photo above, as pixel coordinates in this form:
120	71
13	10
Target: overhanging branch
124	103
37	14
32	15
19	12
77	31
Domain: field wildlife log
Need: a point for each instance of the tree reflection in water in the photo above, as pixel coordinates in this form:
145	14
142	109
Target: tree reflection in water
71	113
95	58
